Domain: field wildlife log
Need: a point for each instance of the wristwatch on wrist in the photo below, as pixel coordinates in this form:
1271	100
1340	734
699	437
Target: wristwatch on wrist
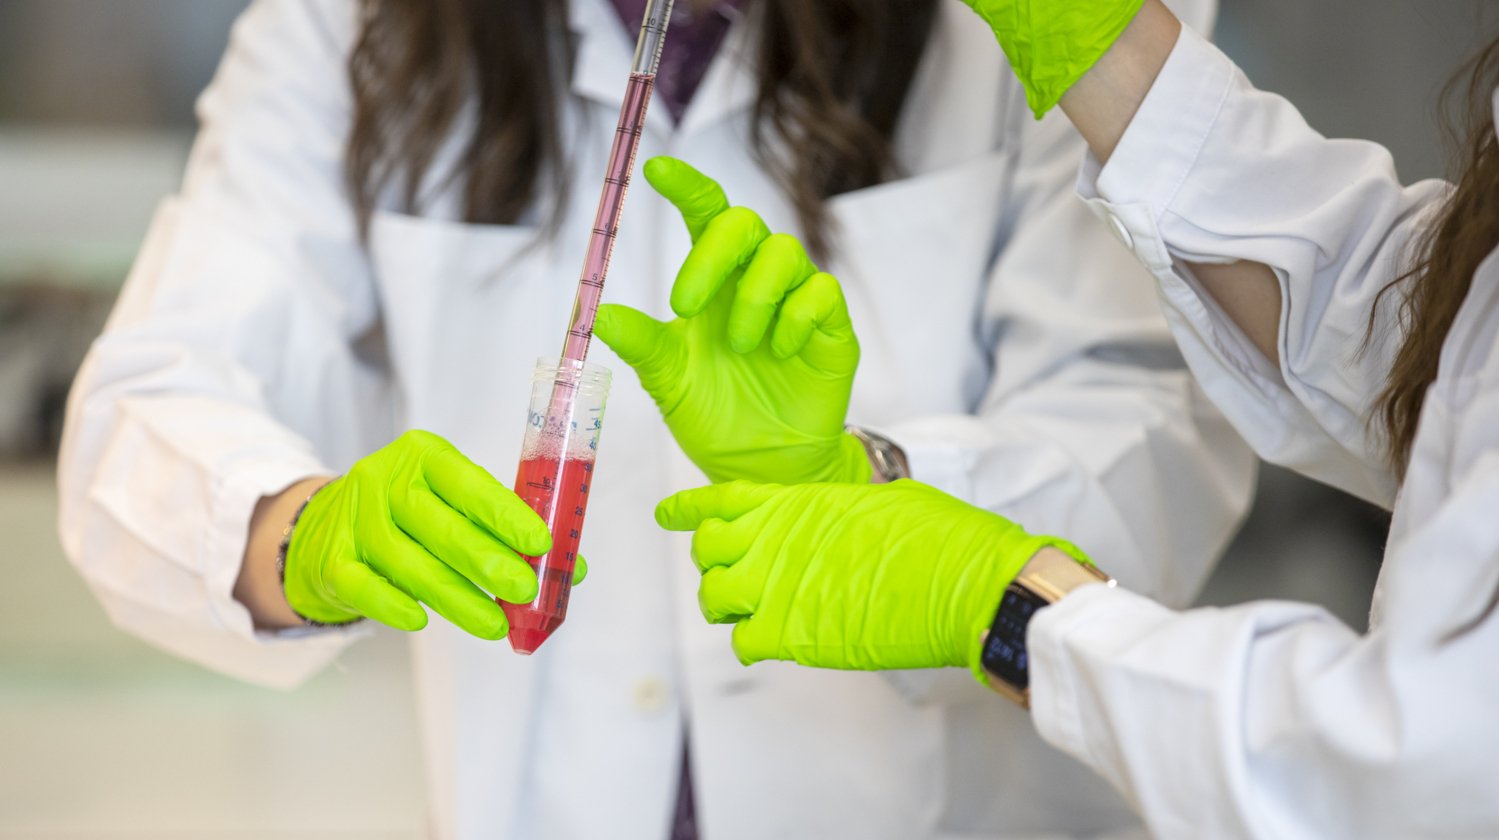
1044	580
886	458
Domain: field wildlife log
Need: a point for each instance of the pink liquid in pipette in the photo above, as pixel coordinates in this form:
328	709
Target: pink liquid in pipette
606	222
558	490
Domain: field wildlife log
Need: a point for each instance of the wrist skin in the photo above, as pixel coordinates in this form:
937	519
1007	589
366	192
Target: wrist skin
1101	106
259	585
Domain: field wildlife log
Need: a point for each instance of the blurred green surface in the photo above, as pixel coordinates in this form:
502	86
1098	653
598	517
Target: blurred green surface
105	737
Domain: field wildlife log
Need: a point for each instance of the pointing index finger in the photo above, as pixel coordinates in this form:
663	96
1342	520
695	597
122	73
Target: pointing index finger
689	509
698	197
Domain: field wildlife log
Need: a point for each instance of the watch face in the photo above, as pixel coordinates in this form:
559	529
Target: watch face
1004	649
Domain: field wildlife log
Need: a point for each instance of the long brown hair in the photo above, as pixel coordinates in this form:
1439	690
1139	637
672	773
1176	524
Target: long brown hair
833	77
1462	235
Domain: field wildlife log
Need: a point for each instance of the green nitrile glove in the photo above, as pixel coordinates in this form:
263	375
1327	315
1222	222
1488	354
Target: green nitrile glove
867	577
1051	45
415	521
753	377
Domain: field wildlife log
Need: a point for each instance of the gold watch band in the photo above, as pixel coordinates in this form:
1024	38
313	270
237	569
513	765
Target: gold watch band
1052	573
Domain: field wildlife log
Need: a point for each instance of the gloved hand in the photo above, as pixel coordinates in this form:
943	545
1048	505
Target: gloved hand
866	577
1051	45
415	521
753	377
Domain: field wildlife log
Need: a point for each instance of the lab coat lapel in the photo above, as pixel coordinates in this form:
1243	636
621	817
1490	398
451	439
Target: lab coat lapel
730	84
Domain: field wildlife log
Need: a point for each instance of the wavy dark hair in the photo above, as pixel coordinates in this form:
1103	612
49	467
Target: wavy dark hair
1464	232
833	78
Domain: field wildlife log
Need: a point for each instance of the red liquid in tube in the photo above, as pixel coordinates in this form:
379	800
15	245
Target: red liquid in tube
558	492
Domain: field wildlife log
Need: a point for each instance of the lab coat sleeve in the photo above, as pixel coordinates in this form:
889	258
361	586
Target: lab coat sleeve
1274	720
234	363
1091	427
1213	171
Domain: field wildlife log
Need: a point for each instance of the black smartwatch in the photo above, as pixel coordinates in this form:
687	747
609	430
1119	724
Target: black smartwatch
1044	580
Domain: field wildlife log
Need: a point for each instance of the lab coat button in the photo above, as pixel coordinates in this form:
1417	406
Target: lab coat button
1121	232
650	695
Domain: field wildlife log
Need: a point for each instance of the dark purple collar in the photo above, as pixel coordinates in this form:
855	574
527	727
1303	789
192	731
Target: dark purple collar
692	41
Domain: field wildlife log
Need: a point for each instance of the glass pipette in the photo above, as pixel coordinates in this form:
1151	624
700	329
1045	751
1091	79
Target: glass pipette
561	496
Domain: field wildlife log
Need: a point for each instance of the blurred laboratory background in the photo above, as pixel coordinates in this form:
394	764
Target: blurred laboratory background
102	737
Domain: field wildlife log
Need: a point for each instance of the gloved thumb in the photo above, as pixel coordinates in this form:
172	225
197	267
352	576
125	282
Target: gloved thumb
637	338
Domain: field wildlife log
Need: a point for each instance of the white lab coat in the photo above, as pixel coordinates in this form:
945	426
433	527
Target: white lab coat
1273	720
1009	343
